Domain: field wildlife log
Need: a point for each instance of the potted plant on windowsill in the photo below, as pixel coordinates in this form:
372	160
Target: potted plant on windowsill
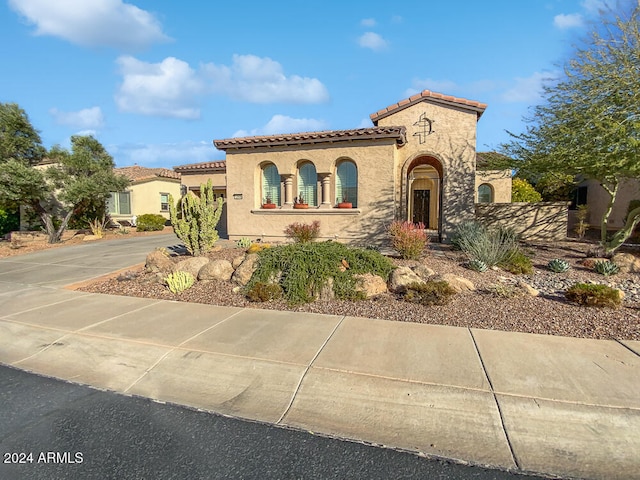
345	203
268	203
299	203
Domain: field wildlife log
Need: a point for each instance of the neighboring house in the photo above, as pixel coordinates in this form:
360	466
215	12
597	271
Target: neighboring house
597	200
148	193
492	186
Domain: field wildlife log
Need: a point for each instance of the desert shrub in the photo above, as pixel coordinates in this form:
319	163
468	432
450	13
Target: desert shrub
244	242
503	290
491	246
558	265
477	265
98	226
9	221
581	226
606	267
429	293
257	247
264	292
150	222
179	281
409	239
523	191
593	295
467	232
305	267
517	263
303	232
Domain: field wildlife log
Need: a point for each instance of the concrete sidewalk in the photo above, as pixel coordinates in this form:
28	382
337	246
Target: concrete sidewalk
534	403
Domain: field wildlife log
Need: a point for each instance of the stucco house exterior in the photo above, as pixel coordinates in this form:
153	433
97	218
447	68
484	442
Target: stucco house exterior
417	163
148	193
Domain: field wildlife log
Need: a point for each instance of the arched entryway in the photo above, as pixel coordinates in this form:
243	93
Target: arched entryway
424	192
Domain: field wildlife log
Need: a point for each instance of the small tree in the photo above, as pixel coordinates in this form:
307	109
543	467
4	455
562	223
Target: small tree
523	191
194	219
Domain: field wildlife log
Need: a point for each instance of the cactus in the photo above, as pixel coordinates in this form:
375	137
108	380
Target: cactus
558	265
244	242
195	223
477	265
179	281
606	267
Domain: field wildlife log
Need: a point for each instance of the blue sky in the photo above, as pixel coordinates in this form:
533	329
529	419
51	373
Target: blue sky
157	80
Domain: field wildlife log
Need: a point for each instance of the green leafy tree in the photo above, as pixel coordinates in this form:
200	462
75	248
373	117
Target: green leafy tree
556	187
523	191
83	175
589	125
18	139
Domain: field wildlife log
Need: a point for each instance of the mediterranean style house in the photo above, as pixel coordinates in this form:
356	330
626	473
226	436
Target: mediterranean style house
417	163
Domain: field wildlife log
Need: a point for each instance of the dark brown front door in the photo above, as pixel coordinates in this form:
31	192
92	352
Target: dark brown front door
421	206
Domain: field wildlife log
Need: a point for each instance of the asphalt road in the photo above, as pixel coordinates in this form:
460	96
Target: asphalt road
66	431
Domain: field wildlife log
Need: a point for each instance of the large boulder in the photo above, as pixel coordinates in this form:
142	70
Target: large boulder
216	270
245	270
158	262
423	271
459	284
191	265
237	261
370	284
627	262
401	277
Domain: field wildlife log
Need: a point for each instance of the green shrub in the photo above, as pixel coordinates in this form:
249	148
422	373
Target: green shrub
9	221
303	232
244	242
179	281
504	290
477	265
466	232
195	219
264	292
305	267
150	222
606	267
592	295
409	239
429	293
517	263
558	265
491	246
523	191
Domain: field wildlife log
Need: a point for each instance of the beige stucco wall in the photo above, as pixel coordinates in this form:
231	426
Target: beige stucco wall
500	181
598	201
145	197
453	143
367	223
540	221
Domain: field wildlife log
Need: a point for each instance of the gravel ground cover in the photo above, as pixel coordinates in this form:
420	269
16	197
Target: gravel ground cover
549	313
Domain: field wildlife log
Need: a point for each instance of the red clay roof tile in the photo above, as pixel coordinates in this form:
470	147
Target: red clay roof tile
137	173
198	167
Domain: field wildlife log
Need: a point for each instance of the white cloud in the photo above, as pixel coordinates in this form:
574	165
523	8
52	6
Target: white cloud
87	118
169	88
284	124
368	22
571	20
261	80
439	86
595	6
94	23
165	155
527	89
373	41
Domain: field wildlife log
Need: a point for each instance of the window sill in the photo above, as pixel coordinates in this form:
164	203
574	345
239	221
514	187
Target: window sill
307	211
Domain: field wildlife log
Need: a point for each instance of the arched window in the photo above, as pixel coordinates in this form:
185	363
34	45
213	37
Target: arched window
347	183
485	193
308	183
270	184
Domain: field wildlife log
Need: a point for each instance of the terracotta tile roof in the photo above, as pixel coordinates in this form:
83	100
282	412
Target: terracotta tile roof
327	136
137	173
198	167
429	96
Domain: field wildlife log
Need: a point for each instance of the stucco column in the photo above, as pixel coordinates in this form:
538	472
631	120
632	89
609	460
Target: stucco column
288	189
325	179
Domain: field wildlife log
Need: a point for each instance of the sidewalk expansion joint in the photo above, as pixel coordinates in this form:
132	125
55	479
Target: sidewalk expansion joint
495	399
306	370
628	348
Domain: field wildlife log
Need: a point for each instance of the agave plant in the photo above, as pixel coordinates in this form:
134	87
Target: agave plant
606	267
558	265
477	265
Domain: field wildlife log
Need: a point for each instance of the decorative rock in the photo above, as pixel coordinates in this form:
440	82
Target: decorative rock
627	262
401	277
423	271
158	262
591	261
89	238
325	293
245	270
459	284
191	265
216	270
370	284
237	261
528	289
